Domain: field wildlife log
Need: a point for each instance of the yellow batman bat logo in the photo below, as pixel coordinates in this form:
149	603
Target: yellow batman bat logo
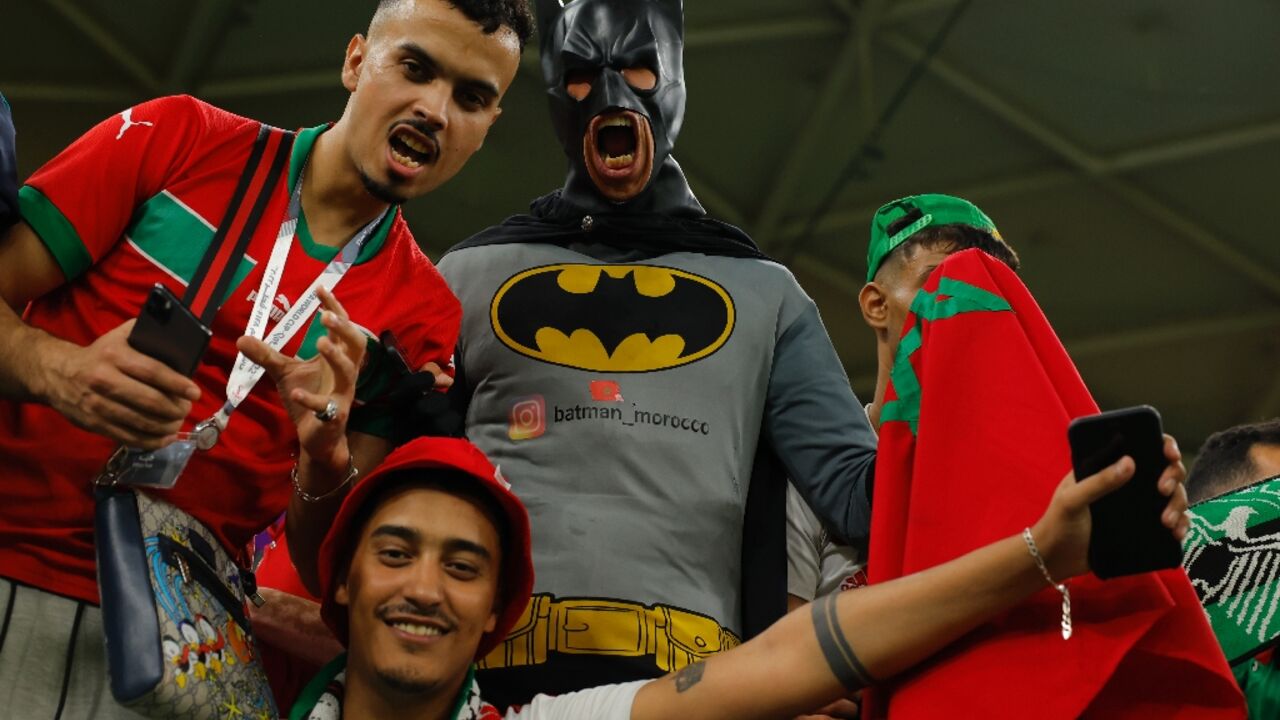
612	318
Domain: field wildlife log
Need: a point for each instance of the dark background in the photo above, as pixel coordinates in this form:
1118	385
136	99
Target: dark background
1126	150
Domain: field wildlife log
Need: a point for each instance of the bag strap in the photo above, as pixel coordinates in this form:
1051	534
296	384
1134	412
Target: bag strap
268	160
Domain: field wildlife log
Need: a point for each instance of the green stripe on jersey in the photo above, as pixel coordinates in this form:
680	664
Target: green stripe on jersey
55	231
174	238
302	146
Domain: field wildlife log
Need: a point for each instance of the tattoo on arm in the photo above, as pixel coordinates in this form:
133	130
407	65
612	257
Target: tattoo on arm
835	646
689	676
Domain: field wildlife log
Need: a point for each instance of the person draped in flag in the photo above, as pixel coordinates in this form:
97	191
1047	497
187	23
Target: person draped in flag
427	565
135	202
910	237
973	401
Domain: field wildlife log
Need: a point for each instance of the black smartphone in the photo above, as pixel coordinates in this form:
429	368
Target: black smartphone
1127	535
167	331
395	355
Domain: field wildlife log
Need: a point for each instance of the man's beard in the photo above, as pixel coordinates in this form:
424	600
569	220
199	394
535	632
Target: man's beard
382	191
404	681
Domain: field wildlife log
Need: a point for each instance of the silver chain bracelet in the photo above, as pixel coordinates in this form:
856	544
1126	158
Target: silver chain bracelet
1060	587
352	472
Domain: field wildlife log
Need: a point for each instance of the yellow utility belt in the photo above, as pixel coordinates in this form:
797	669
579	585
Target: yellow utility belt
590	626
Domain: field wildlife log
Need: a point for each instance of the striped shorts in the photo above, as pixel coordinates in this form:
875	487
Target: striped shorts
53	663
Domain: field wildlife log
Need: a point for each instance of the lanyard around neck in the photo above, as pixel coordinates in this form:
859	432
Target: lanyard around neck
245	373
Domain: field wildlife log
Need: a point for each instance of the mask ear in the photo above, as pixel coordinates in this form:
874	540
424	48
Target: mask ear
674	12
549	12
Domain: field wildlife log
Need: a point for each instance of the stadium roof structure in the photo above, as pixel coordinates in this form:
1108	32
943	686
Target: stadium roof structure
1126	150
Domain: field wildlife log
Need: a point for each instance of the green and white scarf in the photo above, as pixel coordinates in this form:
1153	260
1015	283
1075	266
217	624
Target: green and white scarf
323	696
1232	555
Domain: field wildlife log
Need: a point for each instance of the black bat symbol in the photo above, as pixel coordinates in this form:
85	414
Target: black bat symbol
614	311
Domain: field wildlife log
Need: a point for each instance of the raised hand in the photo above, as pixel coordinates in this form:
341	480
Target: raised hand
1063	532
307	387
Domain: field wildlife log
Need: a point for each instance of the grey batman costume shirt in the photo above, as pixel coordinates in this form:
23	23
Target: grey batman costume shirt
624	400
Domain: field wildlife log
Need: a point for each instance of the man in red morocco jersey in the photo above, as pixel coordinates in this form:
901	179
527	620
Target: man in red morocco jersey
134	202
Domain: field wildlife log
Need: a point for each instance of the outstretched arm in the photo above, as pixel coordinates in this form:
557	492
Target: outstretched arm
855	639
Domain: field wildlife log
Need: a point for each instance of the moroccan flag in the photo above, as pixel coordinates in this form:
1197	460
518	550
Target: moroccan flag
1232	555
973	443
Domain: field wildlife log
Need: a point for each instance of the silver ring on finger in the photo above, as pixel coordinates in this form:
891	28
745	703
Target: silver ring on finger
329	412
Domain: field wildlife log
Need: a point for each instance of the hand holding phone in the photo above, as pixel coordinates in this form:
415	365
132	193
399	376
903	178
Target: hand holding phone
167	331
1127	534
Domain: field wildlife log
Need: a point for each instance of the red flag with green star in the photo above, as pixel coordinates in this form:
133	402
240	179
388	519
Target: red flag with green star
973	442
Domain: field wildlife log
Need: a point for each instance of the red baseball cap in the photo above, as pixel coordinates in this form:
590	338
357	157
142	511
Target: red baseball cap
435	453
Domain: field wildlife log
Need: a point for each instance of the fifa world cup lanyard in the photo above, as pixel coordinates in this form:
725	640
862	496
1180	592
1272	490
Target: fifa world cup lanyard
245	374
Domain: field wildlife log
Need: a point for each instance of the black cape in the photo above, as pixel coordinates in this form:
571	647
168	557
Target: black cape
553	220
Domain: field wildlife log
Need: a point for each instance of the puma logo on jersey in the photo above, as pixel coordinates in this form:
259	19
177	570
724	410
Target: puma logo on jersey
278	308
127	117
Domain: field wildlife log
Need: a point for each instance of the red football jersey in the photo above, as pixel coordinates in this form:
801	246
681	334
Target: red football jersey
133	202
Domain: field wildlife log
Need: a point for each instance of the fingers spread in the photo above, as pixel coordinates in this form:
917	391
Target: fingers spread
330	303
345	333
261	353
344	369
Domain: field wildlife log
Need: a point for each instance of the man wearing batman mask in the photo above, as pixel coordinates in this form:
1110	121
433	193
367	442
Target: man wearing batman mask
625	356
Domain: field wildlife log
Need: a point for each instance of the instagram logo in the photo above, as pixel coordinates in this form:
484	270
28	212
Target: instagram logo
528	418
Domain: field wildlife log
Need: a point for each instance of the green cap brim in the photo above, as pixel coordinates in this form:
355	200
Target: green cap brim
930	209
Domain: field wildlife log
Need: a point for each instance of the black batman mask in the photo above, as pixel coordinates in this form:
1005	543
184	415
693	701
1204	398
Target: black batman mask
618	133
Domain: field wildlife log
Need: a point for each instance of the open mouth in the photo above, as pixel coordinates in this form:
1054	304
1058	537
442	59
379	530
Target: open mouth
411	148
616	142
618	149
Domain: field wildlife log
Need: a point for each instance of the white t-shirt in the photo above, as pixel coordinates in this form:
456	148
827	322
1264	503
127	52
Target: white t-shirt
606	702
816	565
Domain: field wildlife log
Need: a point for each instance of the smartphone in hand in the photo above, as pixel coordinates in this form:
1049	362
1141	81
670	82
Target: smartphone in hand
1127	535
167	331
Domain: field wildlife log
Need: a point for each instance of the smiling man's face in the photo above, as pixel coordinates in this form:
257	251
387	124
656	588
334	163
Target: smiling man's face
420	591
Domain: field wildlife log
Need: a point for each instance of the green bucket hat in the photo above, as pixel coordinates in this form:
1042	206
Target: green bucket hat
896	221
